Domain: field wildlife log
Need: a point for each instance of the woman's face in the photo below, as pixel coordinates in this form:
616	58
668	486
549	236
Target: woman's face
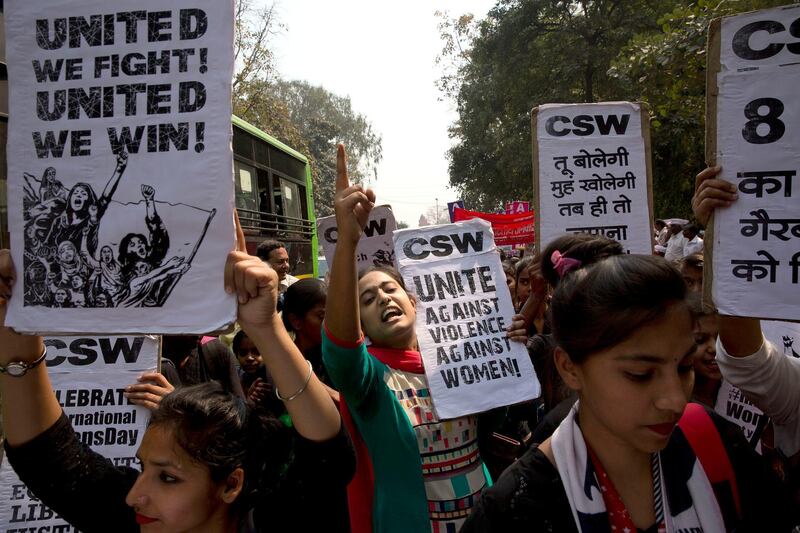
523	286
142	268
78	198
632	394
174	493
249	356
311	325
106	255
77	282
693	277
512	284
138	247
705	335
66	254
61	296
388	314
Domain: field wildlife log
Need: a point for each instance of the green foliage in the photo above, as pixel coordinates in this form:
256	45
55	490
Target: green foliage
324	120
527	53
667	69
531	52
310	119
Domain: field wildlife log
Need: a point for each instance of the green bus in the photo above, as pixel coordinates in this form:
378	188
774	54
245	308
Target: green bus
274	196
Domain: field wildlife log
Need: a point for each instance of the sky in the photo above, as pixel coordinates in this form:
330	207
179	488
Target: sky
382	55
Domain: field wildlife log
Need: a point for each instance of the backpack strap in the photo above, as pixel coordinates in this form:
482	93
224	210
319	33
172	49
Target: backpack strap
704	438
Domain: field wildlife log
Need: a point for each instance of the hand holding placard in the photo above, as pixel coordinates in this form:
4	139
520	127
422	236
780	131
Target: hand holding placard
711	193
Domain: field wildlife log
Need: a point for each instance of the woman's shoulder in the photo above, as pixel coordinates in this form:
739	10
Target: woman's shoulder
528	496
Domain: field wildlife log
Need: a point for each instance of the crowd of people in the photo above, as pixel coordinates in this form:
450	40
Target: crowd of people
316	414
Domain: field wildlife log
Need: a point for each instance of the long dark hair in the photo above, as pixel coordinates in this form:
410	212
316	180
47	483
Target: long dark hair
92	200
225	432
301	297
599	306
582	247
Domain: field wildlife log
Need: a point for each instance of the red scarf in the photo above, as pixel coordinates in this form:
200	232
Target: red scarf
361	489
618	516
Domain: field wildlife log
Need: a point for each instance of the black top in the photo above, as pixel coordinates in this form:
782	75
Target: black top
529	496
210	361
88	491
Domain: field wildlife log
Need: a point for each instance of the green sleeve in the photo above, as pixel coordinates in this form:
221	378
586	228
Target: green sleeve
355	373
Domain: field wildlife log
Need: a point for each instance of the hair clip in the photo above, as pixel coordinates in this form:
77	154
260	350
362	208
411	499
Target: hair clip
563	265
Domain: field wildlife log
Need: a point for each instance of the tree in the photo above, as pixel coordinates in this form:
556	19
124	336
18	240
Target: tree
253	89
527	53
667	69
401	224
325	119
310	119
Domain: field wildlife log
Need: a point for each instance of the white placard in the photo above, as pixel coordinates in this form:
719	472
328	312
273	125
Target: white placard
88	375
759	39
375	246
120	168
463	309
756	246
784	335
593	173
733	405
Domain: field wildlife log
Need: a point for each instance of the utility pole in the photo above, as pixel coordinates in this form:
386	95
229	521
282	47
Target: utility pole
437	211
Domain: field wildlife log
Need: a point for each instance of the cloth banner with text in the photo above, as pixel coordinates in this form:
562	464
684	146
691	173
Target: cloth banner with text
508	229
591	172
89	376
120	167
463	309
754	134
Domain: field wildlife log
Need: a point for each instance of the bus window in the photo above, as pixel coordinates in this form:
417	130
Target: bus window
246	190
291	199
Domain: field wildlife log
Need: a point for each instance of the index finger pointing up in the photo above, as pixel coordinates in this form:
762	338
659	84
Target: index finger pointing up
342	181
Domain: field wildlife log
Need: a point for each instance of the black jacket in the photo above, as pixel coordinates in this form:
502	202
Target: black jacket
529	496
88	491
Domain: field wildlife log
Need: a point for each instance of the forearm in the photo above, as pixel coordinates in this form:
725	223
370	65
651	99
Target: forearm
29	405
313	412
740	336
341	314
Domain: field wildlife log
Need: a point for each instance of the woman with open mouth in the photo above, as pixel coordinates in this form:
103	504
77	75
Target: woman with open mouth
427	473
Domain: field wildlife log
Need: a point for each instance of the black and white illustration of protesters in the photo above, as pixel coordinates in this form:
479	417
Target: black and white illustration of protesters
146	278
59	223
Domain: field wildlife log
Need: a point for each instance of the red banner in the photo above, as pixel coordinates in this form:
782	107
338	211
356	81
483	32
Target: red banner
508	229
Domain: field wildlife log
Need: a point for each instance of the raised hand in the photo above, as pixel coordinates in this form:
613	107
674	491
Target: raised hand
711	193
122	159
13	345
254	283
352	203
148	192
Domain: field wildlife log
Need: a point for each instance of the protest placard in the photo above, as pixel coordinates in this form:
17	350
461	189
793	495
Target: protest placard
509	229
753	132
592	174
734	405
463	308
89	375
120	168
375	246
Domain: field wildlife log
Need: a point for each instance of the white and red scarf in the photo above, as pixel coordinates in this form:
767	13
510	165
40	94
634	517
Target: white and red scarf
683	497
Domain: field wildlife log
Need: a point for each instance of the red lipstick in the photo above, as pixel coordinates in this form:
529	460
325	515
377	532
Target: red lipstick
662	429
142	519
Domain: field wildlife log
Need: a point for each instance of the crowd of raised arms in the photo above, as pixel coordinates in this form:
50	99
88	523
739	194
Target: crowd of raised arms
305	426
